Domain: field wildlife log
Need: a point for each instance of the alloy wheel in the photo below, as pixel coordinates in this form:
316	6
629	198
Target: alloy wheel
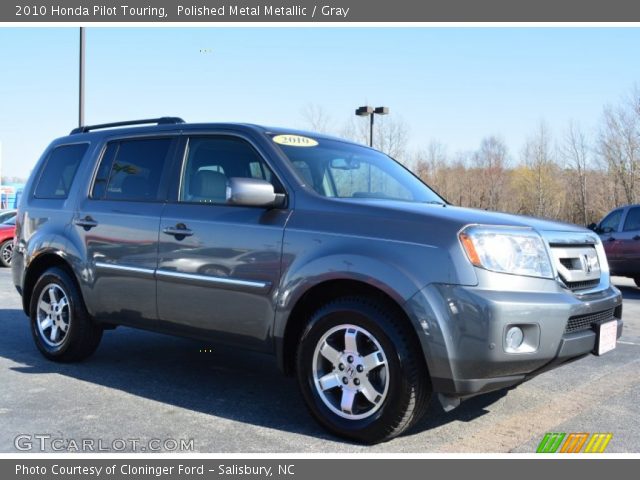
350	372
53	315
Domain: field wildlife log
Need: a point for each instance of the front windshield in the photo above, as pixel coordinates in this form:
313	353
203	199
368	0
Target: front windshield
343	170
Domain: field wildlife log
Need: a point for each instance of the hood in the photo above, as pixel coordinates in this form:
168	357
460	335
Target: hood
466	216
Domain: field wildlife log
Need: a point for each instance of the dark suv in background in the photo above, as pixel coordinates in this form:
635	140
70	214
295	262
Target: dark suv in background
330	255
620	234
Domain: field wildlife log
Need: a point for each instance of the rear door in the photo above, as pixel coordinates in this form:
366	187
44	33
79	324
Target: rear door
118	223
219	265
629	243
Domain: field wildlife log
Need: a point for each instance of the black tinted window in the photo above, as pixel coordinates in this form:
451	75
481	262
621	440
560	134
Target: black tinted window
211	161
132	170
632	222
611	221
60	169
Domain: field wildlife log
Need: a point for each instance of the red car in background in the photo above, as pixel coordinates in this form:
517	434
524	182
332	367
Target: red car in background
619	231
7	232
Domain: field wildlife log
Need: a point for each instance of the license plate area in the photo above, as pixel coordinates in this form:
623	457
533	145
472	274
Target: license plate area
606	337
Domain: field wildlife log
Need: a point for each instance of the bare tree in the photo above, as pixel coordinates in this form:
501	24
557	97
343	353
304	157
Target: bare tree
575	152
431	165
540	185
489	162
390	134
619	146
316	118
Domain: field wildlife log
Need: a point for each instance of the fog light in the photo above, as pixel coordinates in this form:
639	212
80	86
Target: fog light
514	338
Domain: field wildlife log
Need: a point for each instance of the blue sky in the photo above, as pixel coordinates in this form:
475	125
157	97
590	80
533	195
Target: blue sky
455	85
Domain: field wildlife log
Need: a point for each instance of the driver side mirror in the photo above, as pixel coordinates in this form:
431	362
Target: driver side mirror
593	226
253	192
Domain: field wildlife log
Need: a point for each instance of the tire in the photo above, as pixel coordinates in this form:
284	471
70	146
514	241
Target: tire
637	280
385	388
81	337
6	251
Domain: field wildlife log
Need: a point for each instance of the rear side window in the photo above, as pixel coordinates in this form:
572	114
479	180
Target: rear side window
132	170
632	222
60	169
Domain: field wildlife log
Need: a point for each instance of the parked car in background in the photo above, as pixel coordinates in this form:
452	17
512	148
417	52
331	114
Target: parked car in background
619	231
7	215
7	232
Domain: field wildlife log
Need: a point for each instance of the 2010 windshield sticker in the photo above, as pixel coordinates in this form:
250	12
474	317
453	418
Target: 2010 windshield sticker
295	141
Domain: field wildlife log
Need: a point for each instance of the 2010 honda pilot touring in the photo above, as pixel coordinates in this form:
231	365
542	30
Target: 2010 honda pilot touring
363	282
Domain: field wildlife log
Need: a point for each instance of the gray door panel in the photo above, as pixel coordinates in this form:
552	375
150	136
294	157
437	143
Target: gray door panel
122	251
222	275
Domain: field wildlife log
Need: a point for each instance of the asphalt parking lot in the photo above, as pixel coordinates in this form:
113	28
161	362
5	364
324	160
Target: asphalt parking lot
140	387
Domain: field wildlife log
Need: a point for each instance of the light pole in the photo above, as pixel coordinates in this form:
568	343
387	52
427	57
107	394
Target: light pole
81	81
371	112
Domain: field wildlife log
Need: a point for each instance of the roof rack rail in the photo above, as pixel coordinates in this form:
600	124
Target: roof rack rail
147	121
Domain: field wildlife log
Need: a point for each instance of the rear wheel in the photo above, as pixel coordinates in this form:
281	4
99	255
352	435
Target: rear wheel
360	372
6	252
61	327
637	280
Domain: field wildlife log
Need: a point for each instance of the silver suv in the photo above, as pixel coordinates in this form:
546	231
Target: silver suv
362	281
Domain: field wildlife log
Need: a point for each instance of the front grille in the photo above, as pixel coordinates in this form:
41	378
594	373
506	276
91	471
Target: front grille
585	322
578	266
584	285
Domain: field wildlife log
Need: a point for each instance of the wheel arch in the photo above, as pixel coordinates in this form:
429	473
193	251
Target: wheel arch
321	293
37	266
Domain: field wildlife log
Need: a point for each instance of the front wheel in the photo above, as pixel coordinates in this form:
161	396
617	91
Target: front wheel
6	252
60	324
360	371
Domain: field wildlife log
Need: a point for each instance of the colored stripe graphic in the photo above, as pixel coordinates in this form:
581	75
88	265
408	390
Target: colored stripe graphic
598	443
550	443
574	442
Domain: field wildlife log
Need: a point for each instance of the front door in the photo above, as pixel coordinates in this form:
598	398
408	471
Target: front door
629	243
608	230
219	265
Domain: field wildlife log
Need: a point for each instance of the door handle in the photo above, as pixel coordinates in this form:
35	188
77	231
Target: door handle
180	230
611	239
637	237
87	222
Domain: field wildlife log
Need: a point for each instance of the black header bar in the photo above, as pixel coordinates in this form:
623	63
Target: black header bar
342	11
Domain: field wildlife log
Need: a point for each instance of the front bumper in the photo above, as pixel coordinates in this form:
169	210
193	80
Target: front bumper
462	331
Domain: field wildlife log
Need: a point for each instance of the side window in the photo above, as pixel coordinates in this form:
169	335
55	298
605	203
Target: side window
59	171
132	170
611	221
210	161
260	170
632	222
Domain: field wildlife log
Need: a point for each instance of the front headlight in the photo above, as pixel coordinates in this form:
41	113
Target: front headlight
519	251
